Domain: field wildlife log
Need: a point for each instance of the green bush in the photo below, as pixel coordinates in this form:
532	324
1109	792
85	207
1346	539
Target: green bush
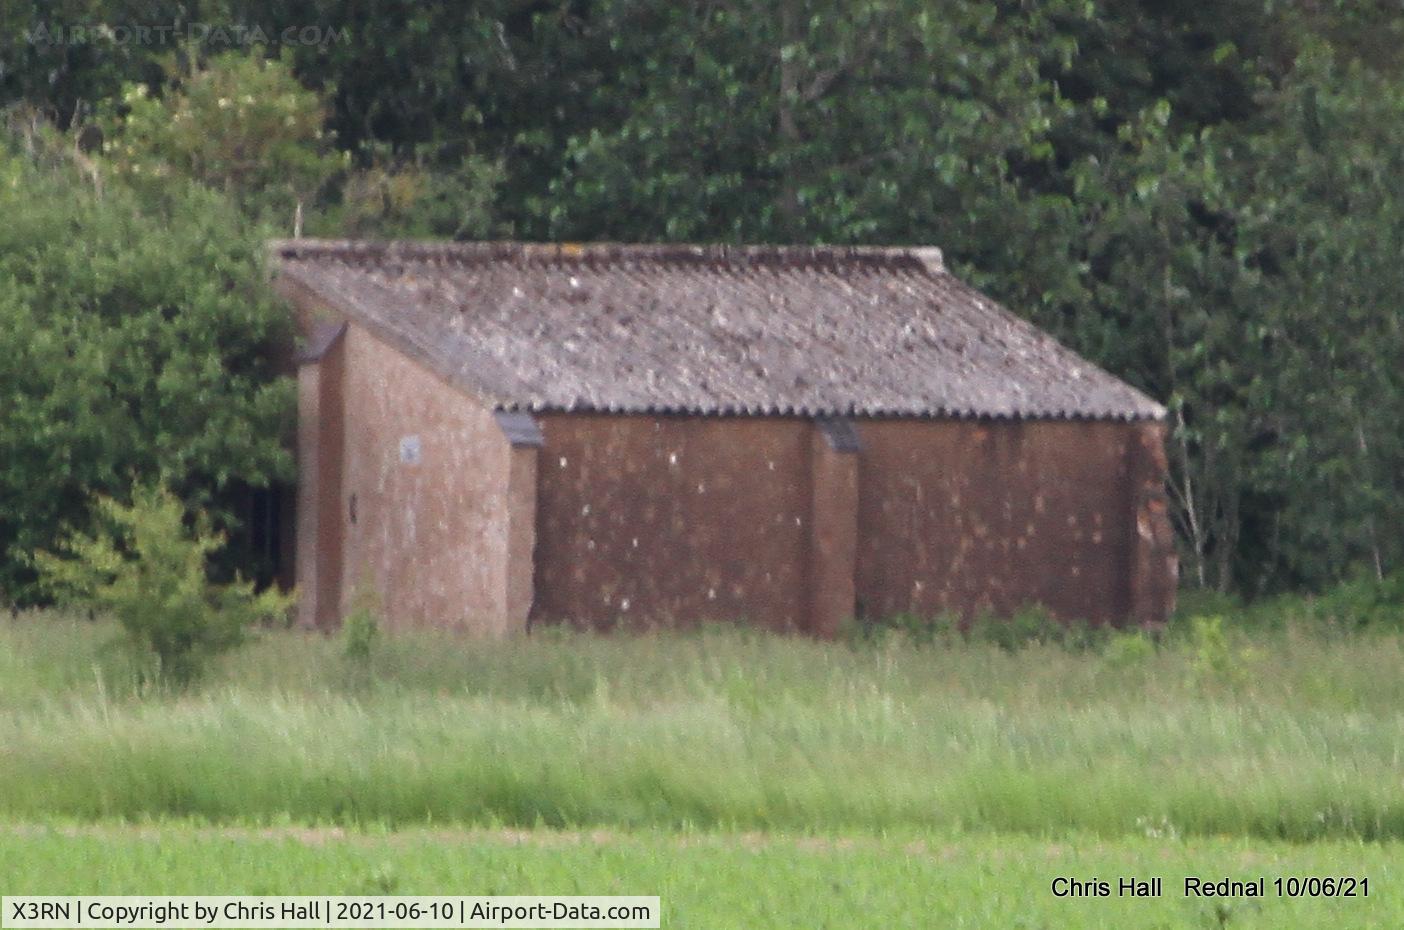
1128	649
1361	603
1204	602
139	340
359	633
936	629
147	569
1030	625
1218	656
240	124
399	198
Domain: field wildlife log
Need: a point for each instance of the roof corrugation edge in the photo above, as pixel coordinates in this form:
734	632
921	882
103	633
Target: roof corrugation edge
926	259
356	251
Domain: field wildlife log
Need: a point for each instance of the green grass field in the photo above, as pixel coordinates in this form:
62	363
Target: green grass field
718	881
751	780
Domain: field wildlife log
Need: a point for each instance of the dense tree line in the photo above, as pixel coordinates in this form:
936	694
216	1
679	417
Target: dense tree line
1201	197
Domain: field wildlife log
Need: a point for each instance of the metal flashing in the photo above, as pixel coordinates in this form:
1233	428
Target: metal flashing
520	428
841	434
325	335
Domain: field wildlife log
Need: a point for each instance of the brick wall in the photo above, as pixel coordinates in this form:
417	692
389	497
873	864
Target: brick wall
673	519
427	501
964	515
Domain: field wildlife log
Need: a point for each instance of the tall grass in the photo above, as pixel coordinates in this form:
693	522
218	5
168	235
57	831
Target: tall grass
1287	735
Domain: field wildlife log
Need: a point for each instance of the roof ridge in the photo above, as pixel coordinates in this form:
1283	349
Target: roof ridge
805	330
359	251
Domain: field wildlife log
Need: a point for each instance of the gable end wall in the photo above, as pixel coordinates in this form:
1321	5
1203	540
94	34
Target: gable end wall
429	471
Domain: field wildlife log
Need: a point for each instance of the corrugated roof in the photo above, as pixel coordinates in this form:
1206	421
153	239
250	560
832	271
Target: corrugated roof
707	329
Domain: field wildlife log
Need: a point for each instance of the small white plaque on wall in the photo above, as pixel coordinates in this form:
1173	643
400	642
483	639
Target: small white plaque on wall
409	450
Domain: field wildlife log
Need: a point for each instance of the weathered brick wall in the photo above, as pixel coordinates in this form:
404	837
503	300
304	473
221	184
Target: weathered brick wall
673	519
317	571
1155	568
964	515
427	472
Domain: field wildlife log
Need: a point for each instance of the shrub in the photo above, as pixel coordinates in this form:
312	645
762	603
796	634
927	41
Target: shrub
139	339
401	199
1363	602
858	632
1128	649
927	630
146	568
1031	625
1205	602
240	124
1217	656
359	633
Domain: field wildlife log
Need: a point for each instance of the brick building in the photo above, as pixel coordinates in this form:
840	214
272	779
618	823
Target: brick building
496	435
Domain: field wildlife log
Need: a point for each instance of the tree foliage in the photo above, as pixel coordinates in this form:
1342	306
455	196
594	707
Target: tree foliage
139	341
240	124
145	568
1199	197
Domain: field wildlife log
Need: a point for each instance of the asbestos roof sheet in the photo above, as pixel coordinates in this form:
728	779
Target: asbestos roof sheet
707	329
